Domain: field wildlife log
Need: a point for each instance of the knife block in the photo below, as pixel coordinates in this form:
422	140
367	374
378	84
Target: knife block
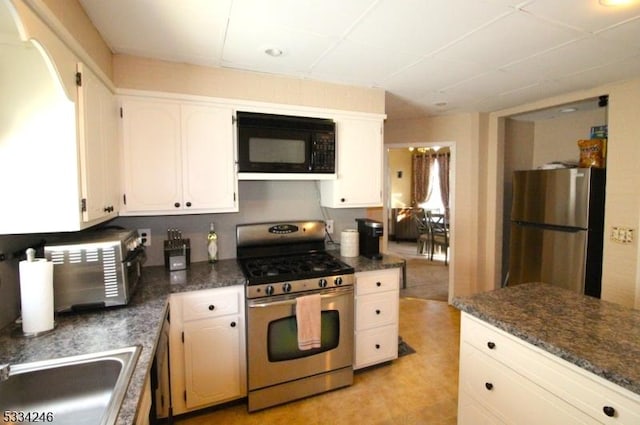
177	254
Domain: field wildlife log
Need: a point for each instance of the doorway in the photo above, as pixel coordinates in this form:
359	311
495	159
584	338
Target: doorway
426	278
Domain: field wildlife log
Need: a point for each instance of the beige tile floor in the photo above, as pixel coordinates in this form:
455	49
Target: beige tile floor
419	388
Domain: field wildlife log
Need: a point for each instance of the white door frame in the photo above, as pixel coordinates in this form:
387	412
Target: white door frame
386	198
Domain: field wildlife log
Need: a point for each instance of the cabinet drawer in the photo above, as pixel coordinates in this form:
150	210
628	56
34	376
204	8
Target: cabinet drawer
470	412
585	390
376	310
511	397
376	345
377	281
213	303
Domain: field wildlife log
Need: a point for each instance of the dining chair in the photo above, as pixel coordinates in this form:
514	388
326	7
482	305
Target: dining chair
439	230
424	234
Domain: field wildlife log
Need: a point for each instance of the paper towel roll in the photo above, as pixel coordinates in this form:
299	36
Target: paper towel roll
36	295
349	246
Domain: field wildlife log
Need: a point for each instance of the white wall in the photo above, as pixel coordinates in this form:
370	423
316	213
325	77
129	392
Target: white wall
399	160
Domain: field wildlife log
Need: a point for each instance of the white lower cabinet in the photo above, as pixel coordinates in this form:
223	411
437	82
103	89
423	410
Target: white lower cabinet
207	346
504	380
377	295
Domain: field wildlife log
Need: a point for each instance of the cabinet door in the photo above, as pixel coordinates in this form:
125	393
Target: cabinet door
209	181
97	122
359	182
212	349
152	155
112	155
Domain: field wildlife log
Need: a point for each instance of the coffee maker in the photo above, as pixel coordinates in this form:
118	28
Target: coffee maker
369	238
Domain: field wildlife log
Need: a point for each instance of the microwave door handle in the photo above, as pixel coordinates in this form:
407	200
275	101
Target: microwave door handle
312	165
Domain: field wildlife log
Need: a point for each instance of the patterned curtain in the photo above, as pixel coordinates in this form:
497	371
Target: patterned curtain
421	187
443	175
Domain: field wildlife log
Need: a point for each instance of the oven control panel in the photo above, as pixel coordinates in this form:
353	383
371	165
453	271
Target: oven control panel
299	286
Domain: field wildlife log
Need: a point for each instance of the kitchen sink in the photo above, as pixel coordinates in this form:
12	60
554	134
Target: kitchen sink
86	389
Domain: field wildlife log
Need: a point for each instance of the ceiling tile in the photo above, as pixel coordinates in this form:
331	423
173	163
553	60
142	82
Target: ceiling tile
245	48
431	74
509	39
373	64
422	27
602	74
193	32
587	15
627	34
329	18
570	59
518	97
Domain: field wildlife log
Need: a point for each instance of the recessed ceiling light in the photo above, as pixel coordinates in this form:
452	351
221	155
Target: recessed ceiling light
274	52
568	110
610	3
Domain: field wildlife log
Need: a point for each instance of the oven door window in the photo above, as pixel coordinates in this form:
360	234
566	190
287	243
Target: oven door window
282	337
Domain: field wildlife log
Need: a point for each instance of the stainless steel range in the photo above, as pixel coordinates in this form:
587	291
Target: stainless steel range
283	262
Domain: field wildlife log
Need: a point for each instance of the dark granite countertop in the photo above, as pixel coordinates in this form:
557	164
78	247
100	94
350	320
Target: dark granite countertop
363	264
138	323
598	336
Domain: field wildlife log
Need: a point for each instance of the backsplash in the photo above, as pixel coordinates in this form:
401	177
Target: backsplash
260	201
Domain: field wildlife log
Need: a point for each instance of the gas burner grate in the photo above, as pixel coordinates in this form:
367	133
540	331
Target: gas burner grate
292	267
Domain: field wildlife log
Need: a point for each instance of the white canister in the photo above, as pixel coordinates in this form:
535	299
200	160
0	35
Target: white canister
349	245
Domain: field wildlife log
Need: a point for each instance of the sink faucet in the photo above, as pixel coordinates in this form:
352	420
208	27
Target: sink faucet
4	372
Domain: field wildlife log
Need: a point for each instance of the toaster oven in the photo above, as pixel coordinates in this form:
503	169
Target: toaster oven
95	269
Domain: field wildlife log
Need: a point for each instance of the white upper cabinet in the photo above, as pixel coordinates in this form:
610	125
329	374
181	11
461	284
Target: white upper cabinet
58	137
55	151
179	157
359	158
100	158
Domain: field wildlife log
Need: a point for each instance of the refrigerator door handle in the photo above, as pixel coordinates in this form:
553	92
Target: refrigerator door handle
550	227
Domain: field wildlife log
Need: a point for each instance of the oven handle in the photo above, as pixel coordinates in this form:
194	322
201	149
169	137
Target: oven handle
332	294
136	255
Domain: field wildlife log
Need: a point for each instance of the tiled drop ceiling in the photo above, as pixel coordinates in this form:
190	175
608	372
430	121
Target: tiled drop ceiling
431	56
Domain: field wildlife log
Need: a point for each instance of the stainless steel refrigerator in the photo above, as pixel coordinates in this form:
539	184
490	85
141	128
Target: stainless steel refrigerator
557	227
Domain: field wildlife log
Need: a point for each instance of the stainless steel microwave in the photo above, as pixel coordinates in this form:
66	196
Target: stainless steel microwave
285	144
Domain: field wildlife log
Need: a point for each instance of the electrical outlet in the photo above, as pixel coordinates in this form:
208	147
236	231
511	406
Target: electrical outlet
621	234
145	236
329	226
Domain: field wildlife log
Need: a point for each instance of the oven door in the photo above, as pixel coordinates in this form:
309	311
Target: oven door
272	342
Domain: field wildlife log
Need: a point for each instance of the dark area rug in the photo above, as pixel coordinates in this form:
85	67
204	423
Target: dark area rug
404	348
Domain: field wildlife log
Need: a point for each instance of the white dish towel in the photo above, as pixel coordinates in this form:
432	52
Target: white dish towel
308	318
